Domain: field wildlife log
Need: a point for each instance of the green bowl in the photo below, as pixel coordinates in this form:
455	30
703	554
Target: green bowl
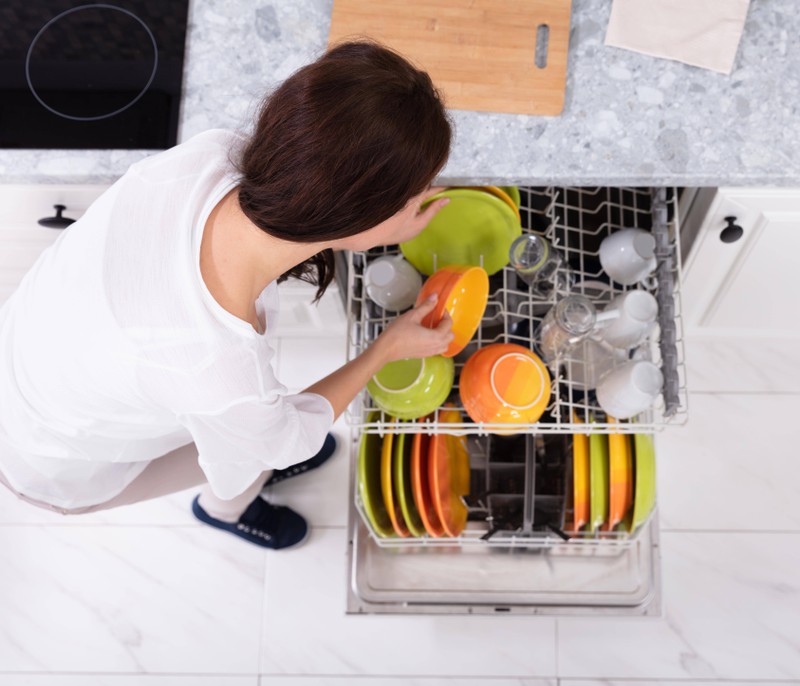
413	388
475	229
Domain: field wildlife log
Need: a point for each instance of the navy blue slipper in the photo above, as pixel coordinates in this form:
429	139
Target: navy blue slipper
265	524
328	448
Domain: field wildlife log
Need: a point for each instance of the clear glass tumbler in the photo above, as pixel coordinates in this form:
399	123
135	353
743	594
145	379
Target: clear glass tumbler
537	263
568	323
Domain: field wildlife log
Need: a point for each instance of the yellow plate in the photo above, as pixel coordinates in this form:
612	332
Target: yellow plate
620	478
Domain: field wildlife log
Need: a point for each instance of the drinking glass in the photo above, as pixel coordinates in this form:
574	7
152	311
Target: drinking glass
538	264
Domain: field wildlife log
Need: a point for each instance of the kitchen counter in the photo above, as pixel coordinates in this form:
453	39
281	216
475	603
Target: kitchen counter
628	119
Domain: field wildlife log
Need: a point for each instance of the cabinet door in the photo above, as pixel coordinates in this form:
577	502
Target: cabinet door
741	307
300	317
22	239
748	287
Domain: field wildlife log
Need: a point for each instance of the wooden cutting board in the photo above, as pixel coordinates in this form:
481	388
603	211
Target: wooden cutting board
481	53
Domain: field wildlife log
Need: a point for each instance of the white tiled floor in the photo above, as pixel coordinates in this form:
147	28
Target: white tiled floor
147	596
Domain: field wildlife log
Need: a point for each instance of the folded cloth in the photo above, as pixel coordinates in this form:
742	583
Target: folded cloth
703	33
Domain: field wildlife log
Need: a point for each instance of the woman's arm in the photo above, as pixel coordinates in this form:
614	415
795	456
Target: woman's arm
405	337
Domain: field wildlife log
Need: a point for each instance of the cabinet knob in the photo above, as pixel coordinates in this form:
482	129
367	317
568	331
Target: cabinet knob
57	222
732	232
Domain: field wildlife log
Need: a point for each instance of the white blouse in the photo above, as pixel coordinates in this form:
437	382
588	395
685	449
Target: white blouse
113	351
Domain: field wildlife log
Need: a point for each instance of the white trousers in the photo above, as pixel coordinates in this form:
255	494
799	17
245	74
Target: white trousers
175	471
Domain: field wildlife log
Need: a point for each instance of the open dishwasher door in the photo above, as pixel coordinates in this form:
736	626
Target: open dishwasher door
504	574
524	548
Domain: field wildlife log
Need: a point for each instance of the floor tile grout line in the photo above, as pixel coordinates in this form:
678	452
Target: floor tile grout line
403	678
560	680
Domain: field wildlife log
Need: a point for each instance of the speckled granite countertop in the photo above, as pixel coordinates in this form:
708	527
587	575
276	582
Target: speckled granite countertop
628	119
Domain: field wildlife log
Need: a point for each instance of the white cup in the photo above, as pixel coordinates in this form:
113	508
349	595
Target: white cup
392	283
637	318
628	256
629	389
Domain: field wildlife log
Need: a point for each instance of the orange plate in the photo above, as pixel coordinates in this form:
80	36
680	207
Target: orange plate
448	464
619	477
392	507
463	291
421	486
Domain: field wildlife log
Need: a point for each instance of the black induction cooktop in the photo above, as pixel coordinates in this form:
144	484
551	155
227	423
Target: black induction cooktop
91	74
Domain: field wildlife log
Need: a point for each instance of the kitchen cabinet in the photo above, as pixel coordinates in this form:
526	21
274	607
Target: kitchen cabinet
740	277
740	290
299	316
22	239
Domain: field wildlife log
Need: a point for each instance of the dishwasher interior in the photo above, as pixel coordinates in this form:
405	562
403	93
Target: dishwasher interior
521	550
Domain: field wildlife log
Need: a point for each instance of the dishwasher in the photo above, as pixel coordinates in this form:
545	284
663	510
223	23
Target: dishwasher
517	553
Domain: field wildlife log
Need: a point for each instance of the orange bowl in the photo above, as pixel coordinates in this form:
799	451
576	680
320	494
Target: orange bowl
504	383
462	291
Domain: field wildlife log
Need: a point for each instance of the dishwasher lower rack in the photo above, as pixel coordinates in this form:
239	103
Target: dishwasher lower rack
575	220
520	497
514	572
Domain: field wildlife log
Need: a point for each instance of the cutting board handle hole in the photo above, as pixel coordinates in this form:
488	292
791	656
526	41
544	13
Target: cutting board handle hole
542	38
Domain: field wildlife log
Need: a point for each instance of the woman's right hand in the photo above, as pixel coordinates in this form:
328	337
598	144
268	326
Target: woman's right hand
406	337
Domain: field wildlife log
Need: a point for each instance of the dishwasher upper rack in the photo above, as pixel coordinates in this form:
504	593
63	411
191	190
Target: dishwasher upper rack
575	220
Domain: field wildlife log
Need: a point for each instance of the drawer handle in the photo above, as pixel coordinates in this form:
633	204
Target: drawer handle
732	232
57	222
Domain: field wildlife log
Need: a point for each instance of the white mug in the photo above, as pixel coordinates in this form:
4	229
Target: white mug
392	283
637	318
628	256
629	389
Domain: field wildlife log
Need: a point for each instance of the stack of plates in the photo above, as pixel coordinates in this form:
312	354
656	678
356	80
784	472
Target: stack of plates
614	481
412	484
475	229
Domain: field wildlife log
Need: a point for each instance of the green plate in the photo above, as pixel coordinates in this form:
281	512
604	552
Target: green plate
598	480
474	225
644	496
369	481
513	193
404	492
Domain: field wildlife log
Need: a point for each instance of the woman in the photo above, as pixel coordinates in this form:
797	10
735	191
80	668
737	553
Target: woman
136	352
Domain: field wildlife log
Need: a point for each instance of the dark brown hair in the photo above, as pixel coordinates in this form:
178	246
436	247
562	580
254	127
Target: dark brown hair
342	145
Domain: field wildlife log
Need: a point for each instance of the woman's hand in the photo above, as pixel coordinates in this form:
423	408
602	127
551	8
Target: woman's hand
411	220
406	336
